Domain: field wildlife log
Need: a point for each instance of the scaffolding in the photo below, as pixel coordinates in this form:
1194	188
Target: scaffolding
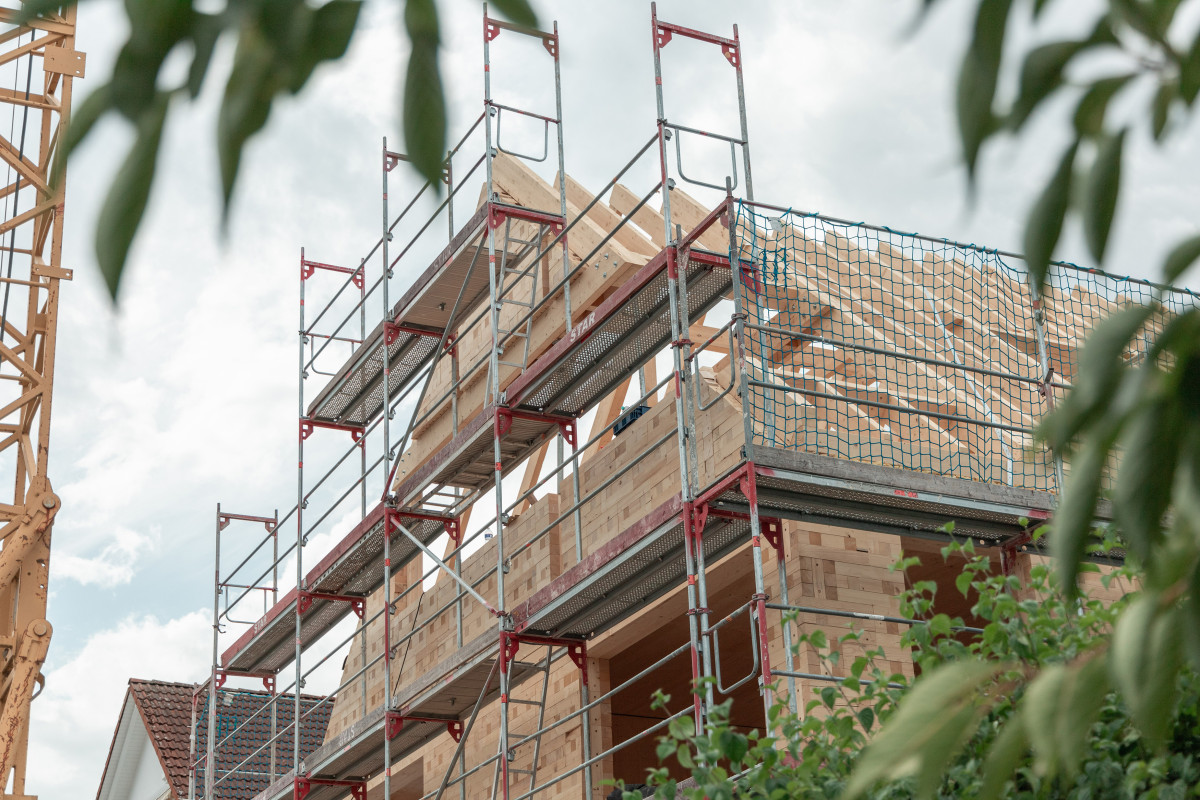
871	380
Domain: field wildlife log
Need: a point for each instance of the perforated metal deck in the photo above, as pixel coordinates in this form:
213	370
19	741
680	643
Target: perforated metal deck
354	568
624	332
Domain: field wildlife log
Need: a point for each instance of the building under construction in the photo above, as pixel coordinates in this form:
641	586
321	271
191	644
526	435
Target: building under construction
781	403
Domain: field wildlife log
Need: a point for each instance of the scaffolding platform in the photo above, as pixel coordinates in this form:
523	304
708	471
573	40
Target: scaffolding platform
349	573
433	704
468	460
458	276
624	574
624	332
799	485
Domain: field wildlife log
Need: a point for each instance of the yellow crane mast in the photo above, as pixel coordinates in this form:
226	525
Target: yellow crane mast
38	62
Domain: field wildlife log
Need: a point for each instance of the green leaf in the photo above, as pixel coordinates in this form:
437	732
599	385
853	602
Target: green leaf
31	9
1150	452
927	729
1146	655
126	201
155	27
1073	522
246	104
328	38
1044	226
519	11
1181	258
1101	366
1189	73
206	30
977	79
424	102
1003	756
1100	193
1041	75
1041	710
1161	107
1079	707
83	118
1089	114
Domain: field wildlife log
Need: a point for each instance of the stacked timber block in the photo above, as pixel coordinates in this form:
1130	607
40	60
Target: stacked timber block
838	569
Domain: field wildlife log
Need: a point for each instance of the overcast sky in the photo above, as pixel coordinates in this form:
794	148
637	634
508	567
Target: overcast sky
186	395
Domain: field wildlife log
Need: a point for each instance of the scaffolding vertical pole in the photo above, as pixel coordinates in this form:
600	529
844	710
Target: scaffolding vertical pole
494	391
299	526
739	327
1046	379
192	744
212	680
690	534
387	471
741	91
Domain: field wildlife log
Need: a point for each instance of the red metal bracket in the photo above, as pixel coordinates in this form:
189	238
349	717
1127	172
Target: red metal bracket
505	417
224	519
304	601
307	425
1009	551
268	679
305	784
497	215
511	642
308	269
392	331
452	525
732	54
772	530
551	45
395	723
490	29
390	160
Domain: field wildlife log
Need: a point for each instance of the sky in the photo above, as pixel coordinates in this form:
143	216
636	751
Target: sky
184	395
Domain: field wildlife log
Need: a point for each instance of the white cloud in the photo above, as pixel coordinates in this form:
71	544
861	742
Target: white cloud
115	564
74	718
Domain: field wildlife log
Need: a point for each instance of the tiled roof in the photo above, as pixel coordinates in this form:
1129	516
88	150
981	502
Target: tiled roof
166	709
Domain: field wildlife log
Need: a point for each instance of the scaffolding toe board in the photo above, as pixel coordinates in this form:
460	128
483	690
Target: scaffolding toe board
353	569
625	574
624	332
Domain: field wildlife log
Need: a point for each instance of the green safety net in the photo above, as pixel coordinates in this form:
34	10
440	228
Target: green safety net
900	350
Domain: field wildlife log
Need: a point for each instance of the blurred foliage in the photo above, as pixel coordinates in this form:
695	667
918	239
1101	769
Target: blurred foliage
278	46
1024	710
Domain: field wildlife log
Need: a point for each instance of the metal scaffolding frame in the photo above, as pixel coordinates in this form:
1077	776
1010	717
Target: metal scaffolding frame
390	369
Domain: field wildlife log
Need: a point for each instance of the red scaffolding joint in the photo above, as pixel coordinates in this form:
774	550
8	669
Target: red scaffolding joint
498	214
510	643
392	331
1009	552
452	525
505	417
390	160
395	723
305	784
267	678
308	425
772	529
304	601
